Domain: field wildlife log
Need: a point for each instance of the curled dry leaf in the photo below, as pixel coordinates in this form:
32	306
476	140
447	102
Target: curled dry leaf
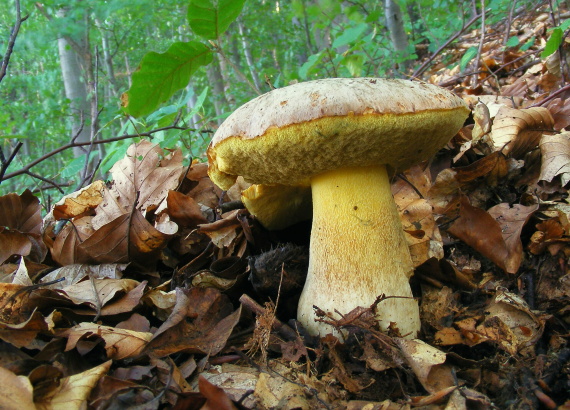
416	214
555	150
428	364
73	391
79	203
20	320
223	231
482	118
516	132
119	343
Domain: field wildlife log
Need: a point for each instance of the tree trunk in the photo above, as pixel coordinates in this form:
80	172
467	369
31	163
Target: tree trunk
217	83
395	24
76	92
249	57
80	88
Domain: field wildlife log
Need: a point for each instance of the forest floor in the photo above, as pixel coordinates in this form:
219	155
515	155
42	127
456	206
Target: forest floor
146	292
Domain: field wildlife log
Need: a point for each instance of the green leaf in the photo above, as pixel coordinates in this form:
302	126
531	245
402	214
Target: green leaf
513	42
310	64
467	57
528	44
350	35
199	103
553	43
161	75
210	18
354	64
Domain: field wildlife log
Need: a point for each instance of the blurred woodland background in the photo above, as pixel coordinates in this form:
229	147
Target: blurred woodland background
72	61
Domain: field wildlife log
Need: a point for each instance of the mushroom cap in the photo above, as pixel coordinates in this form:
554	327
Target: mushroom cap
292	133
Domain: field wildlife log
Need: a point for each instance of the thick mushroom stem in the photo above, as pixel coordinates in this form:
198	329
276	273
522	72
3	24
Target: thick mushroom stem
358	251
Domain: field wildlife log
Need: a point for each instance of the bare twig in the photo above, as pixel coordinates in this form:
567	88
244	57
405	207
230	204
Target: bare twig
12	40
6	162
426	63
552	96
480	48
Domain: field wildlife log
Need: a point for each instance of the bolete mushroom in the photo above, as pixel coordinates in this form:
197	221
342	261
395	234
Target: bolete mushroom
344	137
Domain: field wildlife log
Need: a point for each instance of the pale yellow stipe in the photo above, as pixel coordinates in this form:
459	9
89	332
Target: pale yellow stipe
358	250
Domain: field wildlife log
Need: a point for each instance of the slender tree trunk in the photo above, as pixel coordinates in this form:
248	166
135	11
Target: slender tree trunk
216	80
107	60
76	92
395	24
248	57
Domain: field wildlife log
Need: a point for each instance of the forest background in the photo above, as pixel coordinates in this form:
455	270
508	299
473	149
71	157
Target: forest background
73	60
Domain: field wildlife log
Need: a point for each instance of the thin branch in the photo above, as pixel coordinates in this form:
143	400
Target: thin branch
56	151
480	48
12	40
551	96
6	163
426	63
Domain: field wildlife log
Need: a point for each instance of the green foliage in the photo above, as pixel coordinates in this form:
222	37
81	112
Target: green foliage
467	57
555	40
163	74
210	18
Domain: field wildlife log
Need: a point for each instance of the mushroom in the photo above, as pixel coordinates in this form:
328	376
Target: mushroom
344	137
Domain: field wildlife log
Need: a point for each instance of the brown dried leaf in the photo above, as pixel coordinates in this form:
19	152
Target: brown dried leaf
216	398
96	293
516	132
223	231
184	210
73	391
68	275
79	203
65	248
17	391
495	234
13	243
416	214
112	244
21	212
143	170
555	151
482	118
511	220
510	323
560	110
201	322
119	343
